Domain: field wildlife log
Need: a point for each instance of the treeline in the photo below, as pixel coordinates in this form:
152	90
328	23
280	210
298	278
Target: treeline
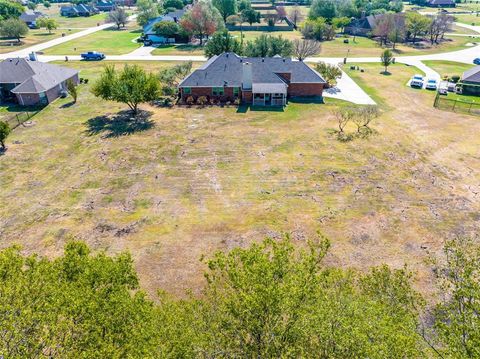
269	300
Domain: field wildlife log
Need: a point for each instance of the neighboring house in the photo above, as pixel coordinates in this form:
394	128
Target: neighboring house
78	10
103	5
149	31
470	82
32	82
440	3
30	17
268	81
366	24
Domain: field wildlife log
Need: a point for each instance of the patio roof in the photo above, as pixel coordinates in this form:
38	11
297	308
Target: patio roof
269	88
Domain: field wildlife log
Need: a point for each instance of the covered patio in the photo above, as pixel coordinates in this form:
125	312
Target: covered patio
269	94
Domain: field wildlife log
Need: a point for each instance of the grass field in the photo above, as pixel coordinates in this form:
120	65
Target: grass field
72	22
33	37
110	41
448	68
193	180
470	19
178	50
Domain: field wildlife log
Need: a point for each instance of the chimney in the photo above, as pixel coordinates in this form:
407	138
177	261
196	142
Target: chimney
247	76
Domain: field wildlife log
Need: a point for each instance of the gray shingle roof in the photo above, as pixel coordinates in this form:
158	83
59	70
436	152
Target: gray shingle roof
441	2
472	75
33	76
226	70
30	15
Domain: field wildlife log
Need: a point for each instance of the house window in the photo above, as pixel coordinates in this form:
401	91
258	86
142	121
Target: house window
236	91
187	90
217	91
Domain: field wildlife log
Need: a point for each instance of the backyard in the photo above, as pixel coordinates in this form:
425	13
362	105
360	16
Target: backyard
188	181
79	22
33	37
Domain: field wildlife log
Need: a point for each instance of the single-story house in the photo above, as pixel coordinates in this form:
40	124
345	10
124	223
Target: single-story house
268	81
105	5
149	31
30	17
440	3
78	10
366	24
470	81
31	82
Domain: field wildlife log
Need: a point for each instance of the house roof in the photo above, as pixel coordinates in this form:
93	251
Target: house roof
369	22
32	76
227	70
441	2
472	75
80	8
171	16
30	15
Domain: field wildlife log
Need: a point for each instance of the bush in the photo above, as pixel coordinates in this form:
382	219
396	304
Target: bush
236	101
202	100
190	100
455	78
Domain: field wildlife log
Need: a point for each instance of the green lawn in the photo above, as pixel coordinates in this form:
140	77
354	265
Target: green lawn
33	37
181	49
448	68
470	19
109	41
72	22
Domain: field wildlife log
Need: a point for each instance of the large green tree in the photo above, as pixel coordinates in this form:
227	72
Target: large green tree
4	132
13	29
225	7
416	24
268	45
10	9
147	10
131	86
222	42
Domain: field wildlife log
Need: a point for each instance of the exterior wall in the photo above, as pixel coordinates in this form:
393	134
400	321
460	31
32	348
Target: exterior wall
287	76
247	97
28	99
307	89
207	92
470	88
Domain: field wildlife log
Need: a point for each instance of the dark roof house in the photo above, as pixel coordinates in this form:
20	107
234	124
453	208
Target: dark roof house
78	10
265	81
105	5
440	3
470	82
148	28
366	24
33	82
30	17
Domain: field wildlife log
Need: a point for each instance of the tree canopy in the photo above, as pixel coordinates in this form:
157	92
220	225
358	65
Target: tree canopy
13	29
10	9
222	42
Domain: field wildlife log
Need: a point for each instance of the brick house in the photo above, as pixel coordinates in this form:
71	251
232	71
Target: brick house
33	83
268	81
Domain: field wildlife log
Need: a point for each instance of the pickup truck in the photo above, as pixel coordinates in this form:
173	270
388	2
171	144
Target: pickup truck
92	55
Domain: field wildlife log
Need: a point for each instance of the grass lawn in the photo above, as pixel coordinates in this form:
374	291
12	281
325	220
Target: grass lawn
110	41
182	49
470	19
191	180
448	68
251	35
33	37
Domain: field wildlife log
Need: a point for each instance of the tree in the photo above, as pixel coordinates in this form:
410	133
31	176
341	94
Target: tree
251	16
72	90
147	10
341	22
363	116
10	9
383	27
225	7
78	305
439	24
47	4
457	316
244	4
234	20
171	77
202	20
269	46
177	4
416	24
32	5
166	29
118	16
386	59
323	8
13	28
317	29
304	48
131	86
48	23
222	42
296	15
4	132
329	72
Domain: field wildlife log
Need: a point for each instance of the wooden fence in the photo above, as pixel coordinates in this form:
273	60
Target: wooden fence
457	105
20	118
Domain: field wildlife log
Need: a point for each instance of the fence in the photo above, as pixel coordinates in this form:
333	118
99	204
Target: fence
19	119
457	105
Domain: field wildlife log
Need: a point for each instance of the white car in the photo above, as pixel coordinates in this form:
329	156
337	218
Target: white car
417	81
432	84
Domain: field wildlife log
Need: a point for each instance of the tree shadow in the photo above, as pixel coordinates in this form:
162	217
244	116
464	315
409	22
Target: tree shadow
121	124
3	151
68	104
386	73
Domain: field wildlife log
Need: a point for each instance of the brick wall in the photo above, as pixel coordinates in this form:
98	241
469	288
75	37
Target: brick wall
207	92
296	90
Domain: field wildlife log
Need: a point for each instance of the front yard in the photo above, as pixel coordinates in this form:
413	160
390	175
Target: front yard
33	37
191	180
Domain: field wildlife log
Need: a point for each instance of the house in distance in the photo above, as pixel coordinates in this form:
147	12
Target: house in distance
258	81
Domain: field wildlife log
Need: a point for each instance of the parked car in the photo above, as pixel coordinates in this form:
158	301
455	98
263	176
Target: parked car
147	42
443	88
432	84
92	55
476	61
417	81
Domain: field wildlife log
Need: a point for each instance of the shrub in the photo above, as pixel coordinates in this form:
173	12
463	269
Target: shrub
202	101
190	100
455	78
236	101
